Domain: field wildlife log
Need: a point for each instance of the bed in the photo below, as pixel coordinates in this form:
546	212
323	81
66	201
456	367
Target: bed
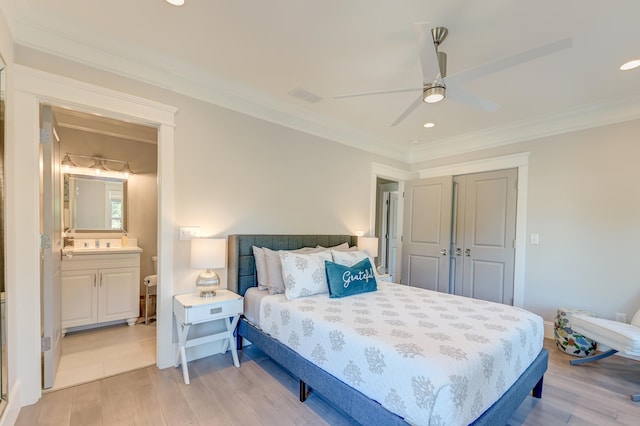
344	391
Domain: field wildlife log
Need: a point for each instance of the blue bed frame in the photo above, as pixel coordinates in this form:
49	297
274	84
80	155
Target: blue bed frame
242	276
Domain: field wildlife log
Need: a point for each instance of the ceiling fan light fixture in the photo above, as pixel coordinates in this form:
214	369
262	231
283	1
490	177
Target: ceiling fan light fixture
433	93
630	65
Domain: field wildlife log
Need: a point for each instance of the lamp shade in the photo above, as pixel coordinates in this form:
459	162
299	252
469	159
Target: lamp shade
369	245
208	253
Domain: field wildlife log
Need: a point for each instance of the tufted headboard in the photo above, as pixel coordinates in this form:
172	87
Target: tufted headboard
242	265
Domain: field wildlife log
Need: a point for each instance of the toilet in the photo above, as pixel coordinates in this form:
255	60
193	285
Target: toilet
150	287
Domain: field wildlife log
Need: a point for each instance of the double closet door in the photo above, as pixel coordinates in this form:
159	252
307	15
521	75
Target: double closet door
459	234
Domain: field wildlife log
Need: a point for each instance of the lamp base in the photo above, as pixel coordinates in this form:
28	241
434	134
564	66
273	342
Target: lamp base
207	293
207	283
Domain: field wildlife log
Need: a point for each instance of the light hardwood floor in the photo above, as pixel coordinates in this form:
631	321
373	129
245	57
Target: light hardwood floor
261	393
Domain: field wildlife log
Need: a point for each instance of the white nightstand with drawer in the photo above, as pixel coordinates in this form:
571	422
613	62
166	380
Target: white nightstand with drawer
192	309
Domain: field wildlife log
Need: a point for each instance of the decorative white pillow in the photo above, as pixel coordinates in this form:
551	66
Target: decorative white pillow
304	273
274	271
350	258
342	247
275	282
261	268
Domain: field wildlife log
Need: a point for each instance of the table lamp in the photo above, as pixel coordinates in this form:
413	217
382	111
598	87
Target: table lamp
209	254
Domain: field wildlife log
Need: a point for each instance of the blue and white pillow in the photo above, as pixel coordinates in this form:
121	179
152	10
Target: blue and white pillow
303	273
349	280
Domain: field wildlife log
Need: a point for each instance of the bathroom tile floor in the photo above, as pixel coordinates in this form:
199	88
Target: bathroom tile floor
95	354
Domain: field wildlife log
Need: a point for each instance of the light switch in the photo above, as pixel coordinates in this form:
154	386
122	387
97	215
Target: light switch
189	232
535	239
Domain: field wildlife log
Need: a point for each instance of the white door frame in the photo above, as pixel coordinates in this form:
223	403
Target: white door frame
33	87
521	162
396	175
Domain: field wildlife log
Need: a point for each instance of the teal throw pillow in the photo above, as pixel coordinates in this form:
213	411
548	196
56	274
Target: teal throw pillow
349	280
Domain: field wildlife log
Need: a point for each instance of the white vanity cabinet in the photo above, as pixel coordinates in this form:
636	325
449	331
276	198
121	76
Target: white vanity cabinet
100	288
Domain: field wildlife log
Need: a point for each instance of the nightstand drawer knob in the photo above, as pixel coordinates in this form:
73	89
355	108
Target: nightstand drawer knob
215	311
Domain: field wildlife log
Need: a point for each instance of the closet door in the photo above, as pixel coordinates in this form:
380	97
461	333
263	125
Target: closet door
484	235
427	232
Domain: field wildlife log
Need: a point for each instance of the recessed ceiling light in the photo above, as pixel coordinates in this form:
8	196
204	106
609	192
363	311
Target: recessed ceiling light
630	65
176	2
429	125
415	142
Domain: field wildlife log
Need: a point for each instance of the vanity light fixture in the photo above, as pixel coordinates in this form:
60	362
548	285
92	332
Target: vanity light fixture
126	170
67	163
100	166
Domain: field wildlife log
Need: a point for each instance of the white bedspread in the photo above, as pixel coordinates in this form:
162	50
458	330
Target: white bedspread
432	358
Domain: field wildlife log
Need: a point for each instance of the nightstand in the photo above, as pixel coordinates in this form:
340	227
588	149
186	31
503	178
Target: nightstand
190	309
385	277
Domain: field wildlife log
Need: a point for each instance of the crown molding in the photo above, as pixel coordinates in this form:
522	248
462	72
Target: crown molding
610	111
186	79
189	80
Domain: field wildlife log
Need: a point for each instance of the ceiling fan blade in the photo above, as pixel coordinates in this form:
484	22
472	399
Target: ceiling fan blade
380	92
510	61
427	53
415	104
471	99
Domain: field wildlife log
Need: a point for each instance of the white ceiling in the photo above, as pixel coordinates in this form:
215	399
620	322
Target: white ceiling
249	56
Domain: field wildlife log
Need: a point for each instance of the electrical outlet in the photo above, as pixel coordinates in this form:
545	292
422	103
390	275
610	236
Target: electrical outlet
189	232
621	317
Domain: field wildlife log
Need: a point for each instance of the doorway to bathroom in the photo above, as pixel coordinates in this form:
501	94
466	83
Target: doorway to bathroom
102	147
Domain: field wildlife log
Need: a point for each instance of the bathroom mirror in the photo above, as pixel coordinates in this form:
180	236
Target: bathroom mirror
94	203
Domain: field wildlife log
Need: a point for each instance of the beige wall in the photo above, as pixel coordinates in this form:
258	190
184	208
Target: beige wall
584	202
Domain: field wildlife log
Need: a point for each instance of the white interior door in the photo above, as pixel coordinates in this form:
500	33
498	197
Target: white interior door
427	233
484	235
51	247
392	233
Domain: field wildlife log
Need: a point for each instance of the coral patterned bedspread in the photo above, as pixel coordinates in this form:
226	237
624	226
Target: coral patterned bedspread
432	358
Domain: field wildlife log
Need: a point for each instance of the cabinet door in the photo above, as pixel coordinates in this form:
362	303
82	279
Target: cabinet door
119	294
79	298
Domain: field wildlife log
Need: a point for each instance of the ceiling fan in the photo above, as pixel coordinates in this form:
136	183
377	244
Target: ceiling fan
437	85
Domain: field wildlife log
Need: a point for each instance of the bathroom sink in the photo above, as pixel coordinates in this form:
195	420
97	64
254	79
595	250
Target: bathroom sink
96	250
100	246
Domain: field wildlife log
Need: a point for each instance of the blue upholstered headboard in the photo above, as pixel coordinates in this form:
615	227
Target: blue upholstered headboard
242	265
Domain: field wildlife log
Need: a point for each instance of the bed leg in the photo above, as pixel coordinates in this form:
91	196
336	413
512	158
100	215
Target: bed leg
537	390
303	391
238	341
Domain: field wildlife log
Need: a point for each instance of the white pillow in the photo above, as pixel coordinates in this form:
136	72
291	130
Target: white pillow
350	258
275	282
636	319
261	268
274	271
342	247
304	273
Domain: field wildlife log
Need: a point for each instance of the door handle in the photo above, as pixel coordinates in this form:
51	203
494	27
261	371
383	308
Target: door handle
95	279
458	251
443	252
467	252
100	279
